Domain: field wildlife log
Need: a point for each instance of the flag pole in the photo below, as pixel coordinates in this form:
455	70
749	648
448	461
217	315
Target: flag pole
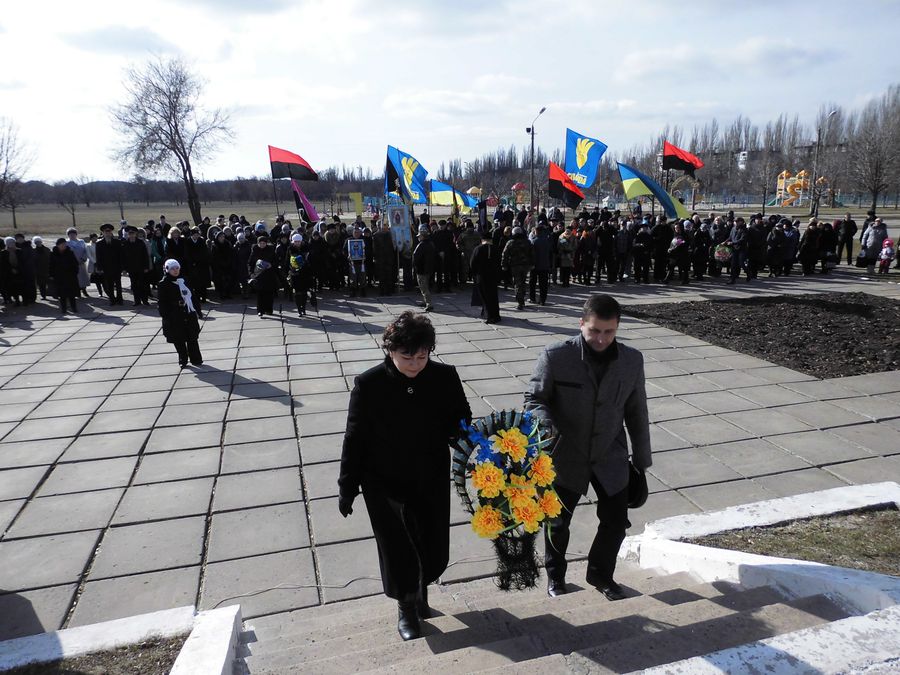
275	194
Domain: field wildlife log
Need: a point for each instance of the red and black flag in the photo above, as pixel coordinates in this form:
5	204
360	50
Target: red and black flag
288	165
676	158
563	187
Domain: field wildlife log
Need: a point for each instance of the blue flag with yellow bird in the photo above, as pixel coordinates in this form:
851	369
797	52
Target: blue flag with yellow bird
404	175
583	158
636	184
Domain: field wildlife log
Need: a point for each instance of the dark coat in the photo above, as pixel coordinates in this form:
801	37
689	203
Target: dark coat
591	419
424	257
543	252
177	249
63	270
135	259
109	256
178	325
42	263
196	269
396	450
266	280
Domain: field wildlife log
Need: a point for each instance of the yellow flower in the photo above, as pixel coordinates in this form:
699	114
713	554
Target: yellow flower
519	491
487	522
529	514
550	504
511	442
488	479
541	471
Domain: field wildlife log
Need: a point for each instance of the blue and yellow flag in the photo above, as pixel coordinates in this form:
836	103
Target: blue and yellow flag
583	158
404	175
443	194
636	184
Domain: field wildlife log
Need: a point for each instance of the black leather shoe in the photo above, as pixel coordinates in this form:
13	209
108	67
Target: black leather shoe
408	622
556	587
610	589
422	607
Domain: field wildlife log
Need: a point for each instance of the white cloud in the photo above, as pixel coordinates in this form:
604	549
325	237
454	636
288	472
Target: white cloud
124	40
431	104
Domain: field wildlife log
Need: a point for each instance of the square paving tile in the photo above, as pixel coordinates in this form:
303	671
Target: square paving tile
873	407
90	475
244	388
722	495
873	383
292	569
254	431
31	453
252	532
164	500
321	480
822	390
66	513
246	490
315	371
149	547
686	384
258	456
58	427
121	597
45	561
689	467
872	470
150	399
718	402
122	444
33	612
661	440
196	413
324	448
66	407
706	430
111	422
340	563
322	403
85	390
178	465
323	423
318	386
19	483
820	448
250	408
196	395
755	457
670	408
185	438
330	527
878	437
8	511
765	421
799	482
822	415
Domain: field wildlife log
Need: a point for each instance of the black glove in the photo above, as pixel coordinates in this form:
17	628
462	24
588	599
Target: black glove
345	506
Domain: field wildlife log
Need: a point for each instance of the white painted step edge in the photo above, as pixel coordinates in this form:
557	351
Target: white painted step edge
211	648
859	592
71	642
854	644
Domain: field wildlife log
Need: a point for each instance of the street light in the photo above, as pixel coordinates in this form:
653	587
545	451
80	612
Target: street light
530	130
814	203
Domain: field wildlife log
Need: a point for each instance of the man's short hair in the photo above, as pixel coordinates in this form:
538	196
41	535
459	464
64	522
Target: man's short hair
602	306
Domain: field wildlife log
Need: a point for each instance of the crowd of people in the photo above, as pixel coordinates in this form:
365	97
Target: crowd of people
524	249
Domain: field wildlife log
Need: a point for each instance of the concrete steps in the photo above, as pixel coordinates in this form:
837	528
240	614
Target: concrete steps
476	627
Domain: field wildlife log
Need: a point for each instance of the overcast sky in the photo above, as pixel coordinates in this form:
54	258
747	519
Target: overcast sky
338	80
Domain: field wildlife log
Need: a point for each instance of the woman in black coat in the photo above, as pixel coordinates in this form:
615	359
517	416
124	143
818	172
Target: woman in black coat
403	415
180	312
263	275
64	272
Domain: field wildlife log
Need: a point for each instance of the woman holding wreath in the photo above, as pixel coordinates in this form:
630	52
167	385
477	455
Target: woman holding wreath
403	415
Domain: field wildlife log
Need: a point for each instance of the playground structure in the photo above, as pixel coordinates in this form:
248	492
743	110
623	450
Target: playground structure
791	189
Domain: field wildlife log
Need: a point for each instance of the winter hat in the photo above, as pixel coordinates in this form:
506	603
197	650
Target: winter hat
35	240
171	264
296	238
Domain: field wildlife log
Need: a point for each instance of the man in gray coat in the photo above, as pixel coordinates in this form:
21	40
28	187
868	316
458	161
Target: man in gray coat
591	388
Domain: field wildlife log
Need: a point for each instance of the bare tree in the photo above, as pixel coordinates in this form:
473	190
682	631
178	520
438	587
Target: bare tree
15	160
163	126
874	162
68	197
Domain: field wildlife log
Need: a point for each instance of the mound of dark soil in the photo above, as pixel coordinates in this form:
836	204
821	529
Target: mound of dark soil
824	335
151	657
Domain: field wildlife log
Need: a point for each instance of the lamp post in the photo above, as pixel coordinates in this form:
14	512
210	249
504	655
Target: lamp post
814	201
530	130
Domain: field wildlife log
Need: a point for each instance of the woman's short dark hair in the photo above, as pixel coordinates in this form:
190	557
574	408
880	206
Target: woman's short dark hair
602	306
409	333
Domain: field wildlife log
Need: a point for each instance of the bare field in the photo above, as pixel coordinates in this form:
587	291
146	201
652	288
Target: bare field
52	220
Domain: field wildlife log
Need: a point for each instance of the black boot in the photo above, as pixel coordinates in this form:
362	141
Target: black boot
408	622
422	607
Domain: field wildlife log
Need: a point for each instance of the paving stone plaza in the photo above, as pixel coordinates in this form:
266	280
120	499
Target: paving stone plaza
128	485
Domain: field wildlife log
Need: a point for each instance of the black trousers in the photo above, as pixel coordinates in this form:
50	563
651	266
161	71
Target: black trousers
490	308
140	289
189	350
112	286
538	279
660	263
642	267
849	245
62	303
265	301
612	512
